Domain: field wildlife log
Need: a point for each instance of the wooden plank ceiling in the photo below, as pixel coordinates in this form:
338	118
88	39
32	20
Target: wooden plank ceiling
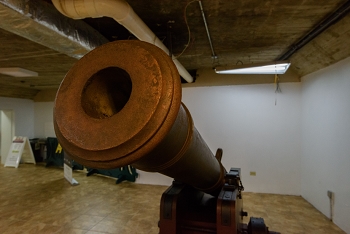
242	31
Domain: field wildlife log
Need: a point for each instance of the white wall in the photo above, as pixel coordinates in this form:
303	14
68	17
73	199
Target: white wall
43	122
326	140
23	114
254	133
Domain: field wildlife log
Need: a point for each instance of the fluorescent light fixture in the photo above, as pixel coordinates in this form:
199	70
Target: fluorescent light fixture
17	72
277	67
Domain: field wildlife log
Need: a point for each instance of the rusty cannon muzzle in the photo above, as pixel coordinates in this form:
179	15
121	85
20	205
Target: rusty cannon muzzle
121	105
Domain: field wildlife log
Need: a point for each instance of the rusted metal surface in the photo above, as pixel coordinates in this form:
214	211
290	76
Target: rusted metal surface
121	104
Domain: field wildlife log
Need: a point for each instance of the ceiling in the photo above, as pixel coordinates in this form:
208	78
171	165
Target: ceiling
35	36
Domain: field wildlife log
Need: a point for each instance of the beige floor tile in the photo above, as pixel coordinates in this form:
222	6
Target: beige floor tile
40	200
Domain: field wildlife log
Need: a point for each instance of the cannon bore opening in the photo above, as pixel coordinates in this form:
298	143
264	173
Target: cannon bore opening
106	93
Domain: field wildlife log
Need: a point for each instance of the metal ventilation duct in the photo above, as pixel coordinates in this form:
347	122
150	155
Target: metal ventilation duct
40	22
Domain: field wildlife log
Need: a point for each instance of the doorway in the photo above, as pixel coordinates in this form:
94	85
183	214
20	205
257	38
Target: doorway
7	132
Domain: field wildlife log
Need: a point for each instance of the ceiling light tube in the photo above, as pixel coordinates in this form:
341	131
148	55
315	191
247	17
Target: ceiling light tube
277	67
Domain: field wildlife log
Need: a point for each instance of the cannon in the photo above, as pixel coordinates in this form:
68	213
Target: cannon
120	105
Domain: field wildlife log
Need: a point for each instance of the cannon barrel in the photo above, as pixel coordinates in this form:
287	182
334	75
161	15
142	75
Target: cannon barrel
121	105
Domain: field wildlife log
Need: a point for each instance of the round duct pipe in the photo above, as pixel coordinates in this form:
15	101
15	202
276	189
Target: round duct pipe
121	12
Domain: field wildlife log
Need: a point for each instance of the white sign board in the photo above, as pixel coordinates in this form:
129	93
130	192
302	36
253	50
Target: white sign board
20	151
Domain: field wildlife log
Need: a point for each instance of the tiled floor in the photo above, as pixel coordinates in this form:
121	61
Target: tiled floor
35	199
